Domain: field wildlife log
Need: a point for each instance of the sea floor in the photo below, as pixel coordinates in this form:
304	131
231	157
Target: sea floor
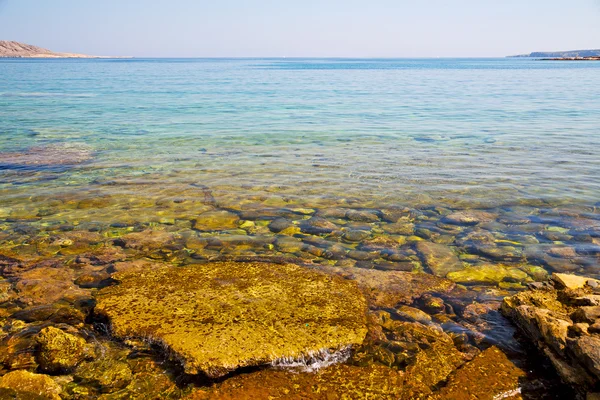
433	278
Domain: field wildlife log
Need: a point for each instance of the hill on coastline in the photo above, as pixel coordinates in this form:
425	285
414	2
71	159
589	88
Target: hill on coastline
10	49
563	54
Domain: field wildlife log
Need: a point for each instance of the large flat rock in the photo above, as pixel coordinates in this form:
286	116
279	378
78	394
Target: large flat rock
218	317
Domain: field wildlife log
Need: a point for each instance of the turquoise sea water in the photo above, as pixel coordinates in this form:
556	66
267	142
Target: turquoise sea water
473	131
482	171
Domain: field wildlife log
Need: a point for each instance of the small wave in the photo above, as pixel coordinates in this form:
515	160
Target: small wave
314	360
507	394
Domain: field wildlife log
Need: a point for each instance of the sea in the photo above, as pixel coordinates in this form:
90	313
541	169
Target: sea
341	163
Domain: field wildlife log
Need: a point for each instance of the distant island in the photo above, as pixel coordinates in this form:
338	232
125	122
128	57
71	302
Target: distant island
10	49
565	55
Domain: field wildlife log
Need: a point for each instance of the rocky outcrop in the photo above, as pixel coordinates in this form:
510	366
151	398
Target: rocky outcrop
562	318
21	50
218	317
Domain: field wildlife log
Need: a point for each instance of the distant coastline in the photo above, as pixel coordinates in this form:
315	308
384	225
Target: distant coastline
12	49
564	55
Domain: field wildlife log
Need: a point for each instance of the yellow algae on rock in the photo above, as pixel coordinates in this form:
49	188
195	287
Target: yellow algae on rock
336	382
26	385
60	351
218	317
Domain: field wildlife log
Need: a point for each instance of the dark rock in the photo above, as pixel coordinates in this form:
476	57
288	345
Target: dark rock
362	215
355	235
55	313
280	224
317	226
361	255
93	280
587	314
394	266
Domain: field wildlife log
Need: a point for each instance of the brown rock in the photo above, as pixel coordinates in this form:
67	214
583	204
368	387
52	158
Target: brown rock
28	385
470	217
490	375
60	351
388	288
439	258
46	285
569	281
587	314
587	349
219	220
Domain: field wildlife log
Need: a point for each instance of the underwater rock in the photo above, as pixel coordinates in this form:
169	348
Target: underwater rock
6	292
218	220
336	382
439	258
487	274
105	373
60	154
388	288
355	235
551	318
317	226
60	351
362	215
468	217
46	285
399	228
413	314
218	317
148	240
55	313
27	385
490	375
280	224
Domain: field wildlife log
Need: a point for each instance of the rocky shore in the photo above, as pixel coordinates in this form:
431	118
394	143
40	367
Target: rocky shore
12	49
562	318
201	294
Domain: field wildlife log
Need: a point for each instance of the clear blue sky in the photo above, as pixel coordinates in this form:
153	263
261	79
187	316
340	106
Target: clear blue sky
321	28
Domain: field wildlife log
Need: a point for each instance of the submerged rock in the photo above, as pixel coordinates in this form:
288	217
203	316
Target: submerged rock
218	317
337	382
491	375
60	351
51	155
388	288
487	274
439	258
219	220
470	217
27	385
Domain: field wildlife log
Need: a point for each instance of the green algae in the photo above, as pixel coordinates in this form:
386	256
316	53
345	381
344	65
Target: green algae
218	317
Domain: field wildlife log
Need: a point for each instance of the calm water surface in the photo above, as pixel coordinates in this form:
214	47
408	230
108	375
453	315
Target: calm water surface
478	132
336	163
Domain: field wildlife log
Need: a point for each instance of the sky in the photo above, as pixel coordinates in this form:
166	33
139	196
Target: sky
303	28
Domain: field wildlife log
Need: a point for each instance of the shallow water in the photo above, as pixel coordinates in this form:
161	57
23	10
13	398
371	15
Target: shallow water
382	150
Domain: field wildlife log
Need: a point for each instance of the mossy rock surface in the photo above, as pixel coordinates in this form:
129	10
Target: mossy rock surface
218	317
336	382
